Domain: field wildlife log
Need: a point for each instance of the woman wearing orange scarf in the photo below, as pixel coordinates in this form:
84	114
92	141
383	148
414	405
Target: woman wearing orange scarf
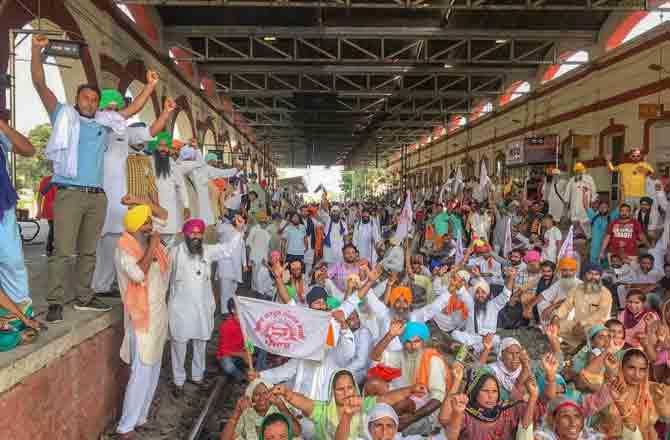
645	400
143	270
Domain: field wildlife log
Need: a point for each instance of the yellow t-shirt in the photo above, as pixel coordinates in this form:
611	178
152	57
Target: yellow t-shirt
633	177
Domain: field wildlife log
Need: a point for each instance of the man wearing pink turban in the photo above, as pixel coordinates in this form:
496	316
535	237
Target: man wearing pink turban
191	304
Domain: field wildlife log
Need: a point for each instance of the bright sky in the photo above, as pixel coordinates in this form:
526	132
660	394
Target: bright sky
330	177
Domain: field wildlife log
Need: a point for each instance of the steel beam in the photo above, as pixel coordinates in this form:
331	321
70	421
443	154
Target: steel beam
460	5
375	33
363	69
421	94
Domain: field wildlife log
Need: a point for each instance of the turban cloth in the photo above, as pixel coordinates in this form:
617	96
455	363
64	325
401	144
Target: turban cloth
481	284
163	136
193	225
567	263
579	167
209	157
399	292
261	216
532	256
316	294
593	267
187	153
136	217
109	97
415	329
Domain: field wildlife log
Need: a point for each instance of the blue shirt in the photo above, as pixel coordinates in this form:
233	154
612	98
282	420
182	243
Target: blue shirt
295	238
91	154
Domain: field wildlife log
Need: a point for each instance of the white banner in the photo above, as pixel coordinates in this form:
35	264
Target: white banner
283	329
405	221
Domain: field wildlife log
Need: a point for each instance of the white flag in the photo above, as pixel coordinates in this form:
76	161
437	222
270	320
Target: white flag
507	248
405	220
566	247
286	330
483	177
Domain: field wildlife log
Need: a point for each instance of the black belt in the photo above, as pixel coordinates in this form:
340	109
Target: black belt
86	189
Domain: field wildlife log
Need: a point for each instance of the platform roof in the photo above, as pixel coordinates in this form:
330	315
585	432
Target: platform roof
349	81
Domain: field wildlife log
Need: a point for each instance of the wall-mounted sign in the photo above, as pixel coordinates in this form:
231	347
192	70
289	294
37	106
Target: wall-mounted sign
514	153
540	149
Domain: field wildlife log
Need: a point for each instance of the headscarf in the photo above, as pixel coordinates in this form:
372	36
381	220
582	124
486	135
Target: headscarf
136	217
193	225
505	377
162	136
382	411
481	284
187	153
581	359
271	418
579	167
642	407
109	97
630	320
414	329
482	414
549	431
593	267
327	419
209	157
250	420
532	256
398	292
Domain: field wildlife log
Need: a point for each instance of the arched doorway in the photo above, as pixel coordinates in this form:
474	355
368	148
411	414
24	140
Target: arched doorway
147	114
182	129
209	142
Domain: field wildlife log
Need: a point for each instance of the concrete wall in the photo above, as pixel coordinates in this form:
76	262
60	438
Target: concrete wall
73	397
597	100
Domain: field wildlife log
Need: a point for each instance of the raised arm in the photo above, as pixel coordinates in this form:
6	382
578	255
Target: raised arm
138	103
231	426
37	72
297	400
452	415
159	124
20	144
395	330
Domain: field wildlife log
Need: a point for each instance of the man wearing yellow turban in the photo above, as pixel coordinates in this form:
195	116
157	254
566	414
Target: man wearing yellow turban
550	299
580	193
143	270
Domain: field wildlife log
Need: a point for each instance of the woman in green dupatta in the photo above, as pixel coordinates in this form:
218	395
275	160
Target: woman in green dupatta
326	415
252	409
590	363
275	427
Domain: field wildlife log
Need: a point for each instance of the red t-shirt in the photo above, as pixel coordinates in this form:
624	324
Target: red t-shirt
624	236
48	198
230	338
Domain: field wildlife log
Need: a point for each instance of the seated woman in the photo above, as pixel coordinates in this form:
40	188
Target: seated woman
591	362
617	336
482	414
512	369
252	409
326	415
565	420
642	402
635	317
382	422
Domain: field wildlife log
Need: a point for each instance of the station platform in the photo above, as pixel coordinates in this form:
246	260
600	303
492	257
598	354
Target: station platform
68	384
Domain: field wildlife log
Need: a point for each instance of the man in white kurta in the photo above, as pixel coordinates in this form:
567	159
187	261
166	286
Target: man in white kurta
231	266
259	190
553	191
335	230
580	193
367	235
191	305
142	266
200	174
172	191
258	242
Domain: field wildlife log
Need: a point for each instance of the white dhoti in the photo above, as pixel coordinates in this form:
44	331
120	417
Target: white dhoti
474	340
104	274
178	357
140	389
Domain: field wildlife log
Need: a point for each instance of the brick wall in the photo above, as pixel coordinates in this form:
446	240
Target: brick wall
73	398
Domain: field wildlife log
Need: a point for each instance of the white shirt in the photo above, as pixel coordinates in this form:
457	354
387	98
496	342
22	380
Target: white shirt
230	265
487	322
550	248
258	241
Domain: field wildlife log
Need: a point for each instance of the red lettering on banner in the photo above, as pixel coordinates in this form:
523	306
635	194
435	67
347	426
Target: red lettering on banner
280	329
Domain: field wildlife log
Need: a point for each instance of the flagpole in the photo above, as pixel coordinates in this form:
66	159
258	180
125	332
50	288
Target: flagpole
244	335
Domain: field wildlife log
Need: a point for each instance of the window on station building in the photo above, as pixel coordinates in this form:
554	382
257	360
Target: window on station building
638	23
482	109
569	61
457	122
515	91
126	11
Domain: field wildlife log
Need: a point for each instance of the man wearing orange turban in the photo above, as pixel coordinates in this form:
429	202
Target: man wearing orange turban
549	300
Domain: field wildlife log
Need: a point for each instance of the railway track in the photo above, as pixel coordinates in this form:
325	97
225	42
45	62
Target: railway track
207	410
